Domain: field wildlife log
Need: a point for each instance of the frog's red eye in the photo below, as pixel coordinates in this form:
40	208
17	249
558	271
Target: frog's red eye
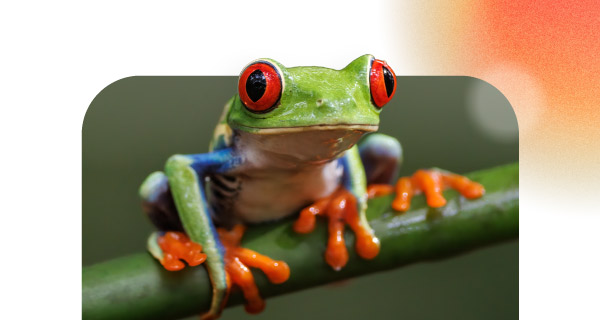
260	87
383	83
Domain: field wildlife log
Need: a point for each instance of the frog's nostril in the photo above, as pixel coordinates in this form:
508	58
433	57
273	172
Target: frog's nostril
319	102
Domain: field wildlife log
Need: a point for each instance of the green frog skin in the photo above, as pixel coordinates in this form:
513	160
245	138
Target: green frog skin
289	141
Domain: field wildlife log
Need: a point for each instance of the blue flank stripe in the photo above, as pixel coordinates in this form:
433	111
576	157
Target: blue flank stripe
219	161
347	177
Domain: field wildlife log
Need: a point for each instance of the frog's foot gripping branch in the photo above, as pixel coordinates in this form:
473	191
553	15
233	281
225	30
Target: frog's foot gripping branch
432	183
340	208
172	247
237	263
176	246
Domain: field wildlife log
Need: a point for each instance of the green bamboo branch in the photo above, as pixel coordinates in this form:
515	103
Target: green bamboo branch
137	287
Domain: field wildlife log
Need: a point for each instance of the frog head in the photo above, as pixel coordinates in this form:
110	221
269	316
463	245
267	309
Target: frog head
323	110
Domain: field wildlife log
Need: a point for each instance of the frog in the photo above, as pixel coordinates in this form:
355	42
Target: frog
292	141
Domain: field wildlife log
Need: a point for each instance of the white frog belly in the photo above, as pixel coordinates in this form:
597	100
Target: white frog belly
266	195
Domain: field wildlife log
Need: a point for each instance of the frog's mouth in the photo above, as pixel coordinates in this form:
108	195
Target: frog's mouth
306	145
320	127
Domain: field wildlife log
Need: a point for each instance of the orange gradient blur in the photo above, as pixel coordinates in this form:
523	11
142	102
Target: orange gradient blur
543	56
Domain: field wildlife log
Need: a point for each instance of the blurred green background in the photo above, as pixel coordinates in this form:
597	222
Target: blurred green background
457	123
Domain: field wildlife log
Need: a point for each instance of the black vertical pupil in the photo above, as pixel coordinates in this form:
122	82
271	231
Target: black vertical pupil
256	85
388	78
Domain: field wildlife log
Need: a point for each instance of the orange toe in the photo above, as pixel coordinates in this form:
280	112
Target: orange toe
466	187
377	190
306	222
243	278
367	245
474	191
336	254
171	263
276	271
431	183
404	194
435	200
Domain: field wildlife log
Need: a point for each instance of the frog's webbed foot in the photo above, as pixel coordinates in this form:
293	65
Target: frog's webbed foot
431	183
341	208
237	263
171	247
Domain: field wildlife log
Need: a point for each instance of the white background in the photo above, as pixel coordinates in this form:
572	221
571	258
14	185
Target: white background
57	55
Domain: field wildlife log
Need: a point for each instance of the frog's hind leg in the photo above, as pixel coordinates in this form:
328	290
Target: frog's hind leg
158	204
381	156
170	244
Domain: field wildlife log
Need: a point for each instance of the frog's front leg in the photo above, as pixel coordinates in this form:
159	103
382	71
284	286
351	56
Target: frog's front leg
377	154
184	193
345	206
432	182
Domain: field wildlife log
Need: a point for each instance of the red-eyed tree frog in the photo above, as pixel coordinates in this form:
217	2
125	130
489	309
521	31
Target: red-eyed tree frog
289	141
